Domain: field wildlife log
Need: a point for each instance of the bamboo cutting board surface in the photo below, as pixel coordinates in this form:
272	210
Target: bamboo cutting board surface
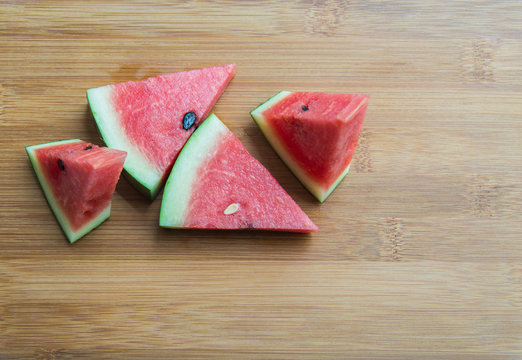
419	254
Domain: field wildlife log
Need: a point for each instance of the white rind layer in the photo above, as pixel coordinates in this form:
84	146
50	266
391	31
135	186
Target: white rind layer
178	189
72	236
113	134
314	187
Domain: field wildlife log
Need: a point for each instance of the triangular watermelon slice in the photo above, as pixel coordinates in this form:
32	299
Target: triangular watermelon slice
314	133
217	184
78	180
152	119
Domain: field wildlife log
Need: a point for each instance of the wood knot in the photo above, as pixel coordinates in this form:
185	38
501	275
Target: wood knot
478	61
362	161
49	354
325	16
482	195
391	234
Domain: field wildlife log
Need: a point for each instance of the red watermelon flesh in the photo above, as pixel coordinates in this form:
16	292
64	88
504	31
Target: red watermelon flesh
217	184
315	134
145	118
79	180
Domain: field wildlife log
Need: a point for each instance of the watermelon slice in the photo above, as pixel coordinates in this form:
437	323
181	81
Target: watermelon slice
152	119
78	180
314	133
217	184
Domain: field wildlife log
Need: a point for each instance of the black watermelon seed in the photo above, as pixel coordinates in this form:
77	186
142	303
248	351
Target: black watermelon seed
61	165
188	120
304	108
88	147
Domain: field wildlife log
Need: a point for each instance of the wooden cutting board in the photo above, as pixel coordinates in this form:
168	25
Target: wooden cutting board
420	250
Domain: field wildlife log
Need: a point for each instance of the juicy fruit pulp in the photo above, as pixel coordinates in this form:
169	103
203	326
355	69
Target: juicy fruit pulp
148	118
78	180
217	184
314	133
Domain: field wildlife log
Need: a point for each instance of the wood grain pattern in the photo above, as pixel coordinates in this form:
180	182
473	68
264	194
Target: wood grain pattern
420	250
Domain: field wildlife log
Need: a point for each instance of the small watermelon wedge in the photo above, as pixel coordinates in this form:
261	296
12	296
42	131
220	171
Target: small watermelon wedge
152	119
78	179
314	133
217	184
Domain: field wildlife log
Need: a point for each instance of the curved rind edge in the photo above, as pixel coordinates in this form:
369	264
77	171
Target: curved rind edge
137	169
177	191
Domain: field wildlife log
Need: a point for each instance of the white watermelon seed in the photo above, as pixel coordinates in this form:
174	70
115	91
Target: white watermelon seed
232	208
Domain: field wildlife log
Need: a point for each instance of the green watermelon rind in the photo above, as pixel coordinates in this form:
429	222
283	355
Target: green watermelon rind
257	114
71	235
178	189
313	186
272	100
137	169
